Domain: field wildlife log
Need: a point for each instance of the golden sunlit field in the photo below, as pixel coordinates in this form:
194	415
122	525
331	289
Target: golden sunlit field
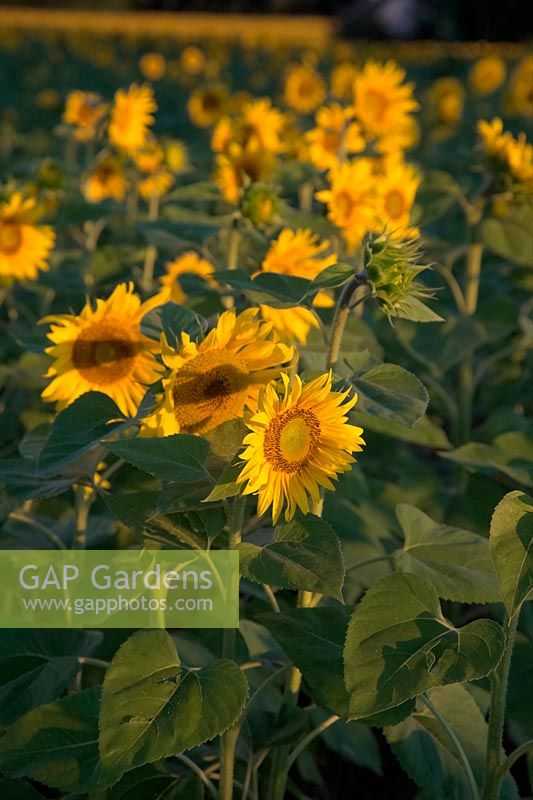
268	291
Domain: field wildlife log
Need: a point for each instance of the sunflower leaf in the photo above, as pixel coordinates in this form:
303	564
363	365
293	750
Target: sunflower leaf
399	645
391	392
152	707
304	554
267	288
179	458
511	544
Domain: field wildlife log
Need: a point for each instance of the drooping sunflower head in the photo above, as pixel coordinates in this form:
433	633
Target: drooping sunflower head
351	199
106	180
304	89
187	264
102	349
214	381
131	117
382	99
300	441
487	75
207	106
24	244
84	111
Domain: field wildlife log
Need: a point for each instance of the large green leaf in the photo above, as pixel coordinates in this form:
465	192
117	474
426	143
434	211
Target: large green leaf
313	638
512	236
57	744
511	544
304	554
333	276
91	418
426	752
455	561
151	783
425	432
37	666
173	320
399	645
267	288
392	393
152	707
510	453
18	790
179	458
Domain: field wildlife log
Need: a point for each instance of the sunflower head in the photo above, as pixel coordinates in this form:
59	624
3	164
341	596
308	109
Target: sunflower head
131	117
240	167
186	264
304	89
446	100
153	66
192	60
24	244
106	180
335	136
396	190
351	199
300	441
520	95
214	381
382	99
259	204
487	75
393	266
84	111
207	106
102	349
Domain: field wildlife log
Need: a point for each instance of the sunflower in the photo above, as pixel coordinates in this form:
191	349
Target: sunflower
336	135
342	80
262	123
301	254
102	349
24	245
214	381
446	100
155	185
192	60
509	154
176	156
186	264
395	194
304	89
404	137
207	106
487	75
106	180
153	66
241	165
84	111
298	443
131	116
520	99
382	100
351	199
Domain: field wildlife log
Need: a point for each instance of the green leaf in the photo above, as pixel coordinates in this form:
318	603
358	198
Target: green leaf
179	458
510	453
91	418
22	481
150	783
227	485
399	645
57	744
455	561
152	707
267	288
331	277
173	320
352	741
36	667
511	237
415	310
304	554
18	790
425	432
427	753
392	393
511	544
313	638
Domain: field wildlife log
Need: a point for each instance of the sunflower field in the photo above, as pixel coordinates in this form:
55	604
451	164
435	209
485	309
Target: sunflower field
272	298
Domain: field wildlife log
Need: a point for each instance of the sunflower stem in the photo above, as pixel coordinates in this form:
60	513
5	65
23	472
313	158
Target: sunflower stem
342	312
151	252
234	241
228	740
499	682
81	517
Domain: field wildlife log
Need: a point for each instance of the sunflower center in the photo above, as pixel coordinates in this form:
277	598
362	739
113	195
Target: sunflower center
291	439
332	141
104	353
208	390
395	203
10	238
344	203
376	103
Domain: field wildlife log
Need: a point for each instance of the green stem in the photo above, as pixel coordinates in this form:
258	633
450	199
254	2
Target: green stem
300	747
499	681
515	755
234	241
457	744
81	517
151	252
228	740
466	375
342	312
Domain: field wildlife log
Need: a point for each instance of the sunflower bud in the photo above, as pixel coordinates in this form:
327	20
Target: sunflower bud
392	269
